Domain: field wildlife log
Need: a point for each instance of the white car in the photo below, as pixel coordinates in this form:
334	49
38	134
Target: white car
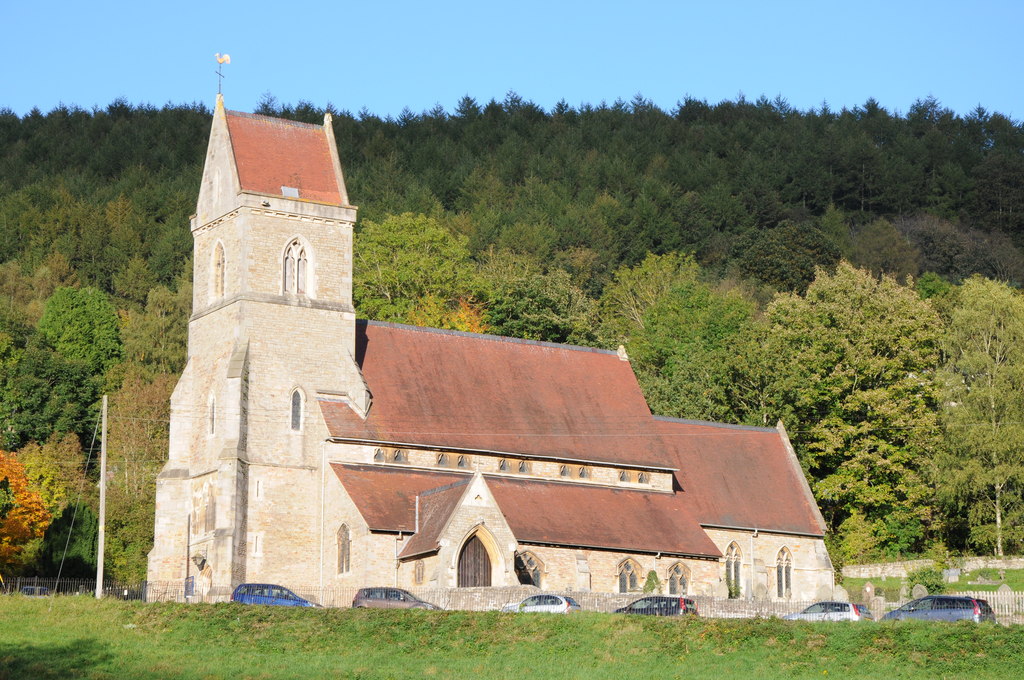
832	611
552	604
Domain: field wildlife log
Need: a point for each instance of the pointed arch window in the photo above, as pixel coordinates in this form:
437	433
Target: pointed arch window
733	560
564	471
503	465
218	270
628	580
344	549
295	270
296	419
462	462
784	573
678	577
378	455
528	569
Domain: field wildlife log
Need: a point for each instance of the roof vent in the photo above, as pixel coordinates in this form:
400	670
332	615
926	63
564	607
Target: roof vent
290	192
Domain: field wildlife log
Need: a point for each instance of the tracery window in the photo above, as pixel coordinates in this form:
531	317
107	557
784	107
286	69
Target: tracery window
677	579
296	420
295	268
733	560
344	549
784	573
628	581
528	569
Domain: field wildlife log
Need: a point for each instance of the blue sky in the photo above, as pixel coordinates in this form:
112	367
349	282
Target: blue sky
388	56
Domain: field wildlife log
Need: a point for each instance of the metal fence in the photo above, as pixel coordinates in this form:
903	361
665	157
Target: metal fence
1008	607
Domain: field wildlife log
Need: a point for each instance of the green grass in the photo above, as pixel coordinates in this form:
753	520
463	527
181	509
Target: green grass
890	587
78	637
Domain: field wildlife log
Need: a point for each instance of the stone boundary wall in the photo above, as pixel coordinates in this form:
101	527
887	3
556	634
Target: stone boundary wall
901	569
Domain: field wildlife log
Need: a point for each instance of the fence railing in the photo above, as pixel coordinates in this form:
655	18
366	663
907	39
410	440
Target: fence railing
1008	607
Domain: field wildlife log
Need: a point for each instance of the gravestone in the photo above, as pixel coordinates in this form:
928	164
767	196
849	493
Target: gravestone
869	592
877	607
918	591
840	594
950	575
904	592
1005	588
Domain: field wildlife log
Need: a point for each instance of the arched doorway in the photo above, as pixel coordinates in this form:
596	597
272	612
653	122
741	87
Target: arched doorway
474	564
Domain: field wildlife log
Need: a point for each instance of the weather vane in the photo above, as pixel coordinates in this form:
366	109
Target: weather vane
221	60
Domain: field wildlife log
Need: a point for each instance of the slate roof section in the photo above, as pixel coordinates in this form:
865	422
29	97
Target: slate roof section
271	153
475	392
744	477
539	512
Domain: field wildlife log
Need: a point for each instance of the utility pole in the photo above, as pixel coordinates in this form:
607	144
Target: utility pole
103	502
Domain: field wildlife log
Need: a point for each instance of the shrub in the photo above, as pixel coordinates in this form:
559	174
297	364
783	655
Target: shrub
929	577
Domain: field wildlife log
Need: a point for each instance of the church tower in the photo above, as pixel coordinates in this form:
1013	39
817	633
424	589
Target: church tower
272	331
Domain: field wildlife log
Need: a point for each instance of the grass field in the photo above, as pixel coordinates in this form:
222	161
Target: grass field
890	587
78	637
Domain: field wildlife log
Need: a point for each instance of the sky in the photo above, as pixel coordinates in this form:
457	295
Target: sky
383	57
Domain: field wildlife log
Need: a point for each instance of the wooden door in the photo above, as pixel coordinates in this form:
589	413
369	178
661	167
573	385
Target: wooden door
474	564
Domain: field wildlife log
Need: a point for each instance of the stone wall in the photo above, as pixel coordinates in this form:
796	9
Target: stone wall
901	569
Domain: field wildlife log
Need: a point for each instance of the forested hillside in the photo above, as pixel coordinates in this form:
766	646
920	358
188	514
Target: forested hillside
853	273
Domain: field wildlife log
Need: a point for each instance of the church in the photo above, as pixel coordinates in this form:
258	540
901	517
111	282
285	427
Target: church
312	449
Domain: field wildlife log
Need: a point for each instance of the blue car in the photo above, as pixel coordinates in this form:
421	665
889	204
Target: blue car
944	608
268	593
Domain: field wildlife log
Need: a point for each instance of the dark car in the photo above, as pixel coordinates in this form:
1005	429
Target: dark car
944	608
389	598
660	605
35	591
268	593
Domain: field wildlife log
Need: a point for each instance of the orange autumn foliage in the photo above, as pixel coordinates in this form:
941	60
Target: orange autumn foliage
24	517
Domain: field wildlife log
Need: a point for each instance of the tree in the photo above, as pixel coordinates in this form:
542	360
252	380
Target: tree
852	372
405	258
787	256
983	414
23	519
81	324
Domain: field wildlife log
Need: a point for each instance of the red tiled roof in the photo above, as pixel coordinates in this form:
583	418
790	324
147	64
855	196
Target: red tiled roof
271	153
479	392
436	506
553	513
386	496
734	476
600	517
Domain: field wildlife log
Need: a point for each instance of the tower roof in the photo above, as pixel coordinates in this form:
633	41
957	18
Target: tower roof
284	158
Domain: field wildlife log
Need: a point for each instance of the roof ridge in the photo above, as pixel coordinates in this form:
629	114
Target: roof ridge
486	336
446	487
274	120
729	426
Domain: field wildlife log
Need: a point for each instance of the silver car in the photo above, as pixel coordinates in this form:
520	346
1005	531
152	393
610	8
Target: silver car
832	611
552	604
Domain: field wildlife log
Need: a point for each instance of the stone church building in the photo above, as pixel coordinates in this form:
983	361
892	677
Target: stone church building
313	449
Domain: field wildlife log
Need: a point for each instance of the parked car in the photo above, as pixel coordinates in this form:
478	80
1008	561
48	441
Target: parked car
35	591
389	598
944	608
660	605
268	593
832	611
552	604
